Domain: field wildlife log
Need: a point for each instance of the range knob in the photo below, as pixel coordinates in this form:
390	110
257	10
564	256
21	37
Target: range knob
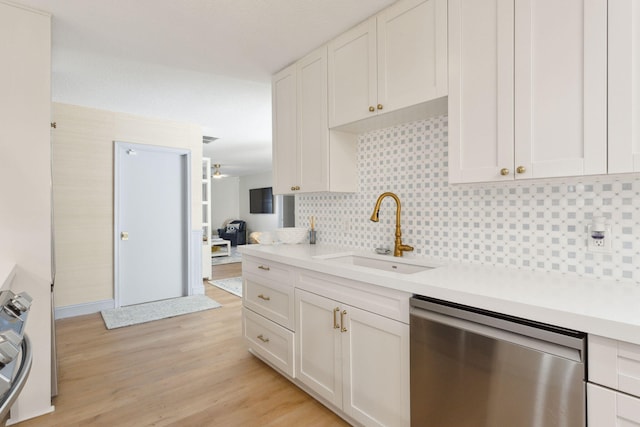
21	302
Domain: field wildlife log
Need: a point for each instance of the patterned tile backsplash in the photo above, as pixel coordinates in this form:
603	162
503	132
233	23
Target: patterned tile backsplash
529	224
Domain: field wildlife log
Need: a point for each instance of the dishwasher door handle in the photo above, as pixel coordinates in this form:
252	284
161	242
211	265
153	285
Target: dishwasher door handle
502	334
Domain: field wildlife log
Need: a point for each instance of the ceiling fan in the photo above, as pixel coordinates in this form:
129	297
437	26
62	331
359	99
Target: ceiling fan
216	172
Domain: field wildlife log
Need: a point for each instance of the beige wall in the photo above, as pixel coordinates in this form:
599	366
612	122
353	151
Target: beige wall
83	146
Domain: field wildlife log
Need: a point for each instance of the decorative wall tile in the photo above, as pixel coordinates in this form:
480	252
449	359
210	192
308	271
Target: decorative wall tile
527	224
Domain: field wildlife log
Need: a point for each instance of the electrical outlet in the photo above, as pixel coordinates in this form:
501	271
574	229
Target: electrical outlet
599	241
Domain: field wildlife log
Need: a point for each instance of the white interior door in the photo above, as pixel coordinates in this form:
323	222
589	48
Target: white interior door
152	211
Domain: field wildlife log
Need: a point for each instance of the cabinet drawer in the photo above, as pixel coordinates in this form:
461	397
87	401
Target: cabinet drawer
272	342
272	271
376	299
609	408
273	300
614	364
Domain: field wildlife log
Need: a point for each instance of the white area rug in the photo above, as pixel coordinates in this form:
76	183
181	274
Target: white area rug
232	285
230	259
142	313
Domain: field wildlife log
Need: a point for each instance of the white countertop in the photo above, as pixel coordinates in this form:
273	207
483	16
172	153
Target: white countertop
606	308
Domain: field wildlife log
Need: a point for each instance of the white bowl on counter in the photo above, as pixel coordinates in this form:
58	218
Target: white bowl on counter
292	235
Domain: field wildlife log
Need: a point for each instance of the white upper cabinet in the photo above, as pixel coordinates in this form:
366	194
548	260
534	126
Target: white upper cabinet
352	74
528	89
307	156
480	89
313	132
412	53
624	86
392	61
560	87
284	115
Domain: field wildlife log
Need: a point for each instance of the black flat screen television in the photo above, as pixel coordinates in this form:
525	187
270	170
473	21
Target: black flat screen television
261	200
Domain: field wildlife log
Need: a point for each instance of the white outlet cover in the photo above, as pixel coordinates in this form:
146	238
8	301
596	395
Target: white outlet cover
599	245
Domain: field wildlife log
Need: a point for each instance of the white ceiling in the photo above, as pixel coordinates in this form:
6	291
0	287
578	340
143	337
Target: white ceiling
202	61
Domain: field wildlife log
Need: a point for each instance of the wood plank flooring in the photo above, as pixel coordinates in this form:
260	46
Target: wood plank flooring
191	370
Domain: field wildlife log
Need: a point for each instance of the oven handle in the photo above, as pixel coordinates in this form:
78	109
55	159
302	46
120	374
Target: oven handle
20	379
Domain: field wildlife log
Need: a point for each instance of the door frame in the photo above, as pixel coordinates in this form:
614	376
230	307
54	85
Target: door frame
117	183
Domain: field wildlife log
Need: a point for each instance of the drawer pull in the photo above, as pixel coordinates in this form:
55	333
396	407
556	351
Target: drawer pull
262	338
342	314
264	298
335	320
264	267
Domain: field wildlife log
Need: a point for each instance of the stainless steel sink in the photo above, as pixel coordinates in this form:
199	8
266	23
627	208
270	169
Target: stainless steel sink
379	264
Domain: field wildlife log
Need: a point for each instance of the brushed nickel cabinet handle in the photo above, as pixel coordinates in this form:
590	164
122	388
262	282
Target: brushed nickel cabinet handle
342	327
261	296
335	320
264	267
262	338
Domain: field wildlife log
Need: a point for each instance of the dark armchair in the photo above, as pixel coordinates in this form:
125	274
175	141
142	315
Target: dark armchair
235	231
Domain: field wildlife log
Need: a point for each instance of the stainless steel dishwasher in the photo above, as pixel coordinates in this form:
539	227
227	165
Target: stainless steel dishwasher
470	367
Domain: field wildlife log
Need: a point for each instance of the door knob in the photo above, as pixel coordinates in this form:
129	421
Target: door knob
521	169
504	171
379	106
124	235
372	109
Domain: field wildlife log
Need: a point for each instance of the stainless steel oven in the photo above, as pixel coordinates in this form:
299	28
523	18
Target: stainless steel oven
475	368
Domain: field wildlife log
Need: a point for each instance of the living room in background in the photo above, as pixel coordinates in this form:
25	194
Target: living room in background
264	221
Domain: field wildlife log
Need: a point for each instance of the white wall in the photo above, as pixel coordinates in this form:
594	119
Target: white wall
25	184
259	222
224	201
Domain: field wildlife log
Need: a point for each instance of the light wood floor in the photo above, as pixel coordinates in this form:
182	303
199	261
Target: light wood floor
191	370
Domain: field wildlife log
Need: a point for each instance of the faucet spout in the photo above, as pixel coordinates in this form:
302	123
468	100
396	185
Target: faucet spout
398	247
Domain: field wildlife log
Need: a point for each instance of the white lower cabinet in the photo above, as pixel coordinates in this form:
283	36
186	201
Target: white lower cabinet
613	392
609	408
267	312
269	340
345	342
356	360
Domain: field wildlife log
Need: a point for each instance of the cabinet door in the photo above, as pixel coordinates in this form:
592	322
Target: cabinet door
560	87
313	130
607	407
624	86
480	90
411	53
283	94
318	363
352	74
375	357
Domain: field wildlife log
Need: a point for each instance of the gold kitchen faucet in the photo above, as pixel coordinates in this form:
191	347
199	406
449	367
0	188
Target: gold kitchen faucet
398	247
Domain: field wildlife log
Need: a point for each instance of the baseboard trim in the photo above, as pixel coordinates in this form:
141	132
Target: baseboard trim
82	309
